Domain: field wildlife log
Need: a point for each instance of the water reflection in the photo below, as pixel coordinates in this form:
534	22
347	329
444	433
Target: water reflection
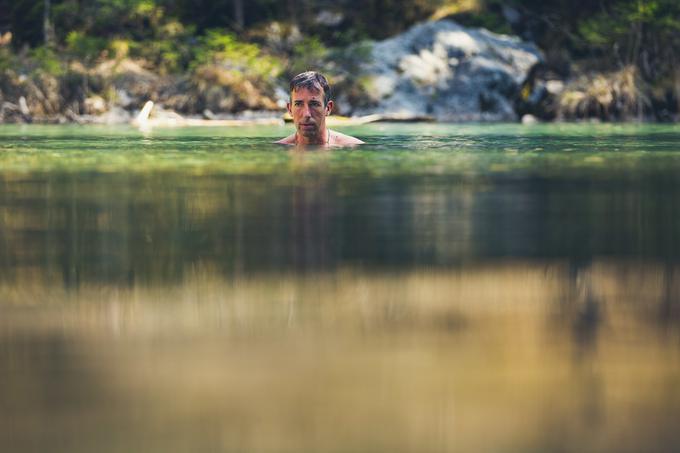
125	228
431	359
395	299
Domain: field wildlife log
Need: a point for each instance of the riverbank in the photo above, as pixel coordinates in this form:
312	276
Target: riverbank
433	71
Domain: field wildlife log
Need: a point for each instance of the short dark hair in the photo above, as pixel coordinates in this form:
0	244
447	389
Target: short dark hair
311	80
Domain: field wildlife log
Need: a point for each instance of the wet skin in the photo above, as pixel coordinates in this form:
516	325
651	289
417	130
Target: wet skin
309	114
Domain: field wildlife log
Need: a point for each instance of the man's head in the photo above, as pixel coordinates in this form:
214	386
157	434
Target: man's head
311	80
309	105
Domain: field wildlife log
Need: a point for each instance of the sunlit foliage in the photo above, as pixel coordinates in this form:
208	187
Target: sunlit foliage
267	41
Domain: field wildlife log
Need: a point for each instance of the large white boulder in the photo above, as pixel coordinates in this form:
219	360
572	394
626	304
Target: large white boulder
443	70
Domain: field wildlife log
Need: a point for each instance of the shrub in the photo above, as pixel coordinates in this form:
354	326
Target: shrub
621	95
43	59
87	48
223	49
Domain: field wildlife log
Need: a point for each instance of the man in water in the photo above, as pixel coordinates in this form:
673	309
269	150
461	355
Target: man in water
309	105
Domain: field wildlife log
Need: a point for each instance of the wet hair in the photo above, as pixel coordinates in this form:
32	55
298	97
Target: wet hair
311	80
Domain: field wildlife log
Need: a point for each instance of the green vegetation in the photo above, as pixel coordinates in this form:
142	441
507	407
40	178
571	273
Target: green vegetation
621	55
240	51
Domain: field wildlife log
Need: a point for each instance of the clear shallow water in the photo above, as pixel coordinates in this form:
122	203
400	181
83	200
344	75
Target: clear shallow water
442	288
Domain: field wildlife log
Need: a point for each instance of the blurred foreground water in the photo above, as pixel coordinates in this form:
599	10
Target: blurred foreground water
443	288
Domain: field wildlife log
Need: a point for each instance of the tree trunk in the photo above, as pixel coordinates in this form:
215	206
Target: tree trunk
238	14
48	30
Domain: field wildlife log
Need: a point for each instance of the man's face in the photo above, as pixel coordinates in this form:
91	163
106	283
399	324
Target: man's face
308	111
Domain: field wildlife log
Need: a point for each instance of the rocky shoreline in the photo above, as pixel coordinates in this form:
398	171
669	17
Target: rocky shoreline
435	71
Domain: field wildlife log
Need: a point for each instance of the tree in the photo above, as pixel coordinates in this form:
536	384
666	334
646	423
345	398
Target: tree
48	29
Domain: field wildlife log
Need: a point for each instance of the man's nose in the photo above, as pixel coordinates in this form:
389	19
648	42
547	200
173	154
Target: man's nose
306	111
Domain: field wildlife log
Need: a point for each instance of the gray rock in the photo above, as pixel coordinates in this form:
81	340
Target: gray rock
529	119
443	70
95	105
555	87
115	115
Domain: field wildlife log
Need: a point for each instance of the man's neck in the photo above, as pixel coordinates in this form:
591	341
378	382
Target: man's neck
321	139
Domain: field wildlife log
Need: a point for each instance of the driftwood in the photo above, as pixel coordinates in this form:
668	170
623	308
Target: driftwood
378	118
168	118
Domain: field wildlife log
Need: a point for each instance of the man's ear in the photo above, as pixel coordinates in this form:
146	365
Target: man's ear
288	107
329	107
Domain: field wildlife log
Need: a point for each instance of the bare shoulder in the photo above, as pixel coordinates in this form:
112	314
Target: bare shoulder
290	140
340	139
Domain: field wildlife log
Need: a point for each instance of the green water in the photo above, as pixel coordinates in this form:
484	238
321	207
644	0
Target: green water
441	288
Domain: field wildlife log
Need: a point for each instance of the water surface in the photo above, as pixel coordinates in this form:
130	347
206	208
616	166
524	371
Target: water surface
441	288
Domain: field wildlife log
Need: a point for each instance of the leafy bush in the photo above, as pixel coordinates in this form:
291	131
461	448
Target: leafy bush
240	58
308	54
44	59
620	95
6	56
87	48
641	32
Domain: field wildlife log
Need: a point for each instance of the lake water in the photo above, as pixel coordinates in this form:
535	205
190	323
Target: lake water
442	288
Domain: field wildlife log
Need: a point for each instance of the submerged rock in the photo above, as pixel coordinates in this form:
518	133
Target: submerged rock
443	70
